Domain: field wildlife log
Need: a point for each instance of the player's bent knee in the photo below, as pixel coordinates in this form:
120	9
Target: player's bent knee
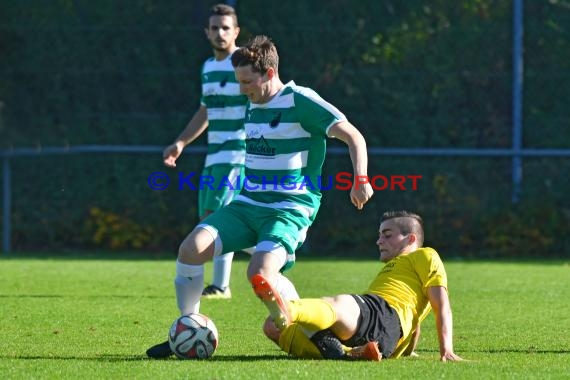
271	331
199	246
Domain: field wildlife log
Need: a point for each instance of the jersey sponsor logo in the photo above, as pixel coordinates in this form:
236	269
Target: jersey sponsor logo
259	147
223	82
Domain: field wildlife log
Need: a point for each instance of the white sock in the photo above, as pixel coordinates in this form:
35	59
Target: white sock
286	288
288	292
222	270
189	283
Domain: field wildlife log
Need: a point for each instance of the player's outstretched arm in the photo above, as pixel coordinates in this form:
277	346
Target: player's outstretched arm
193	130
361	190
439	301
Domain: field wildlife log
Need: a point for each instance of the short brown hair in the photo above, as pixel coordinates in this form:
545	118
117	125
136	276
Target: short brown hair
223	10
260	53
407	222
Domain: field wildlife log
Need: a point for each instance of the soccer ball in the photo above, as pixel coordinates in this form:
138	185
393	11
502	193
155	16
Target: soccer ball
193	336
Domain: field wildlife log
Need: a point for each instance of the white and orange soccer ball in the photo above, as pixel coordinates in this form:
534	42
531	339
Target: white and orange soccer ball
193	336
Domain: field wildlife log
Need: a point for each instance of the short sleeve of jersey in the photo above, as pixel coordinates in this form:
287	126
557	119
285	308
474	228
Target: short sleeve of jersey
315	114
430	269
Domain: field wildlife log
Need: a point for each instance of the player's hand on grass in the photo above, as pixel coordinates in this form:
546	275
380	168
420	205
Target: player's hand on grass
450	356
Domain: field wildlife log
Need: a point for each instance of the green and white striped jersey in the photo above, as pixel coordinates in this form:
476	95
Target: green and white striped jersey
285	150
226	110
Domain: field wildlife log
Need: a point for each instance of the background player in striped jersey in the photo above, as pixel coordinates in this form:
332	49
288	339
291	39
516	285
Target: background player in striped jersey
221	111
286	130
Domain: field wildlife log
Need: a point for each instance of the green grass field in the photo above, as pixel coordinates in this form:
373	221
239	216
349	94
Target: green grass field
69	318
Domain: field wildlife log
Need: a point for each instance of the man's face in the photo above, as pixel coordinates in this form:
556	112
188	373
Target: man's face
391	242
252	84
222	33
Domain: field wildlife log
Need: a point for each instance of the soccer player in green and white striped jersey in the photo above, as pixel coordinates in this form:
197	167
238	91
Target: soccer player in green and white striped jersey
286	129
221	112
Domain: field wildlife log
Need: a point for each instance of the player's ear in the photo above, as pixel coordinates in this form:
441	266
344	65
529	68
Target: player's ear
412	238
270	73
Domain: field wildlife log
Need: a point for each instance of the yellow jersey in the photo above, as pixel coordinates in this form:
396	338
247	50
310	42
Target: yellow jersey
403	283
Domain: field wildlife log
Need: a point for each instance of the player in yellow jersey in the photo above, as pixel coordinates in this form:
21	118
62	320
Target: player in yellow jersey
411	283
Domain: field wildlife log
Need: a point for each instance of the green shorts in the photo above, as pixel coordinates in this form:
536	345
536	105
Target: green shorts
212	192
241	225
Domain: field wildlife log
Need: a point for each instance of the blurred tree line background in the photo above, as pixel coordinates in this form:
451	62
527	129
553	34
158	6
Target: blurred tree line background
408	74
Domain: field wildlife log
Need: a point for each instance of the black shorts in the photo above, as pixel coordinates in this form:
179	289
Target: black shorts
378	322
